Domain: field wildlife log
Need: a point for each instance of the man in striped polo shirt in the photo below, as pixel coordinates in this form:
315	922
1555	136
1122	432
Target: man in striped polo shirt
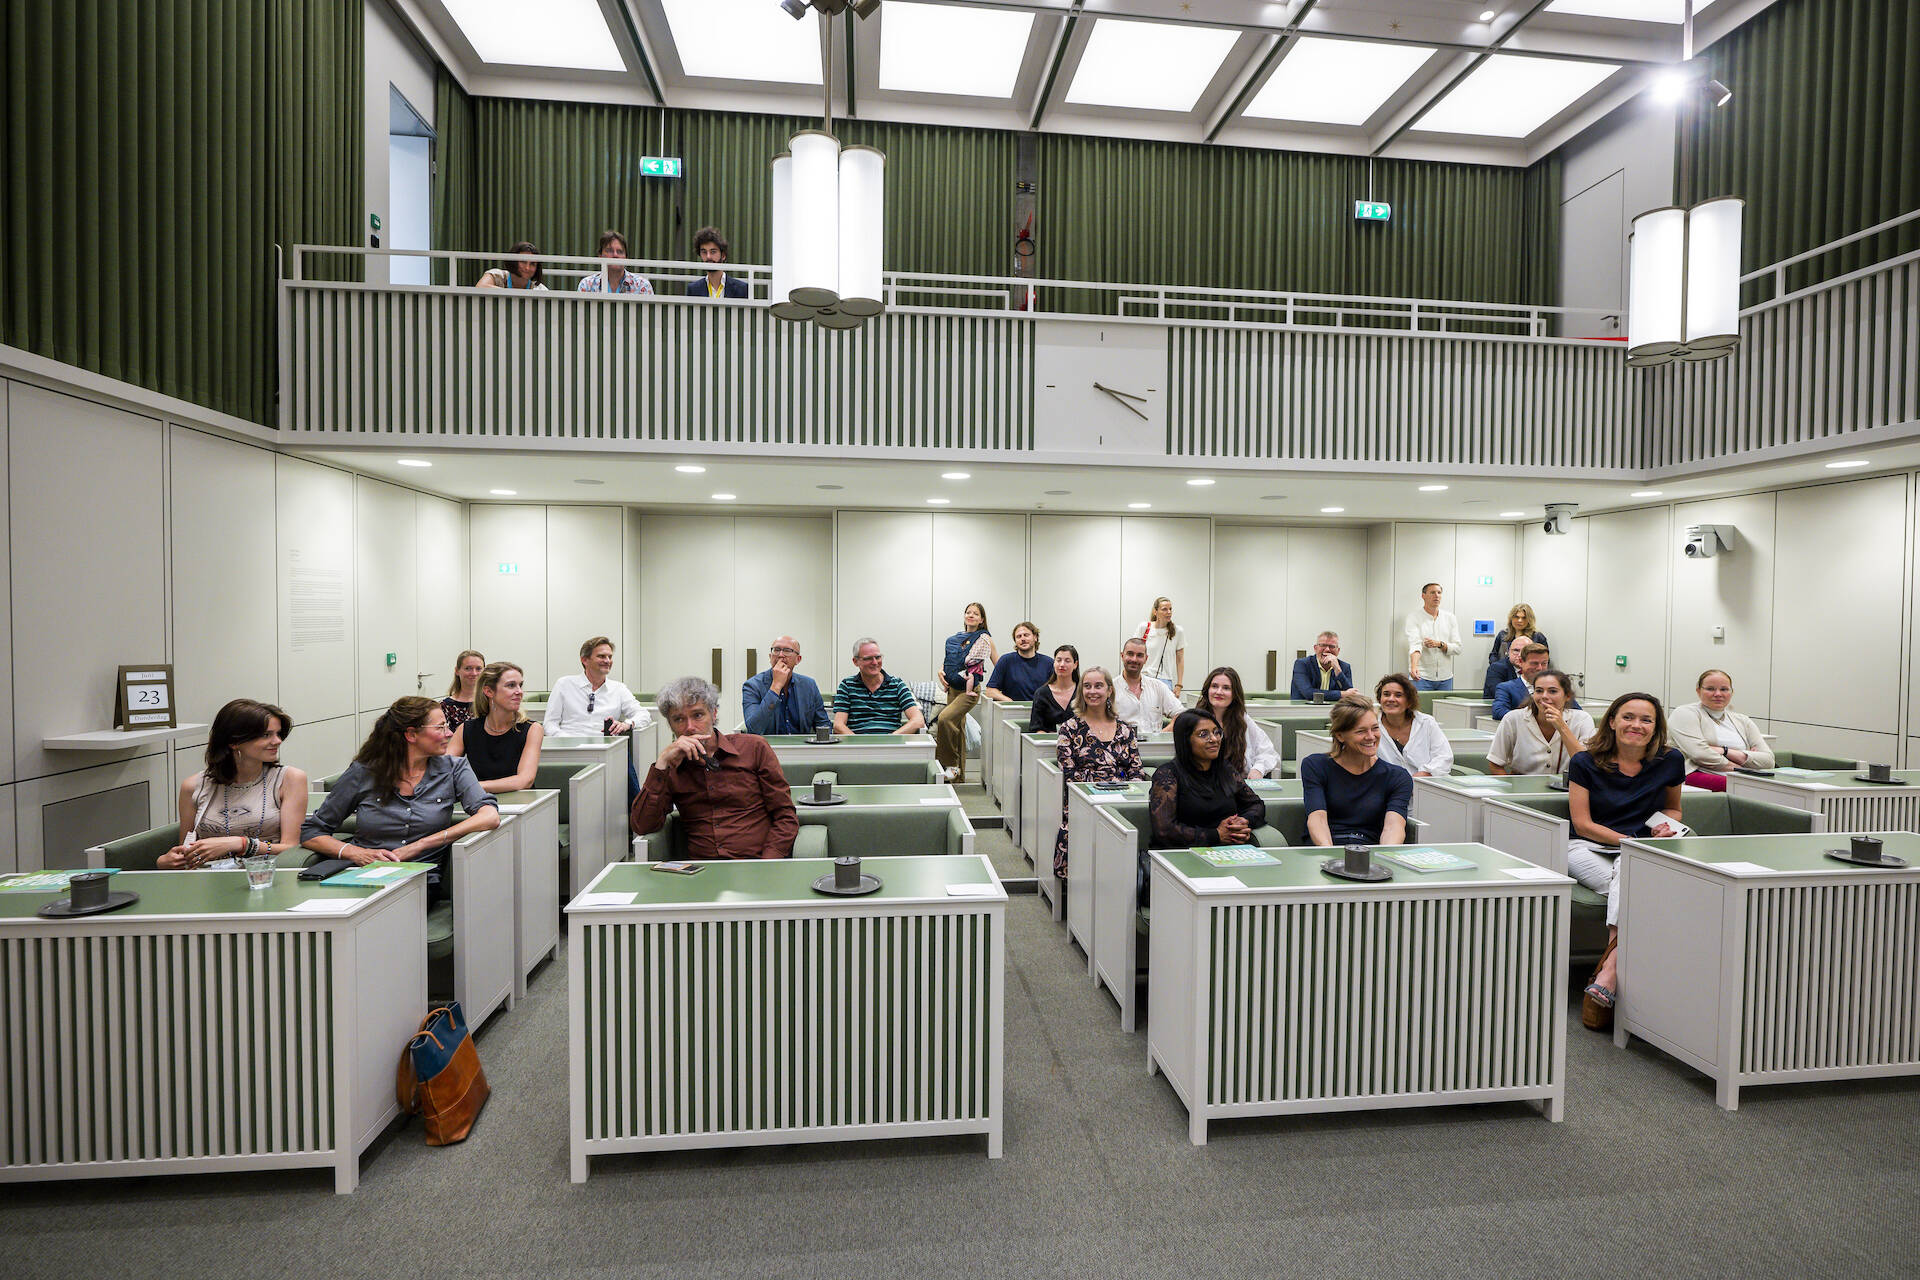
871	701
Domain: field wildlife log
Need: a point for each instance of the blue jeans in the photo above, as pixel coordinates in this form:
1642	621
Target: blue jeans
1434	684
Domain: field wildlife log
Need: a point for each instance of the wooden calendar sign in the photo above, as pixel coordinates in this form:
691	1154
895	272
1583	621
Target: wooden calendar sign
144	698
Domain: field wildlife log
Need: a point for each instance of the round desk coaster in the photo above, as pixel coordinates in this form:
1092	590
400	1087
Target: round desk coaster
63	908
810	802
1884	860
1338	867
1879	782
867	885
821	742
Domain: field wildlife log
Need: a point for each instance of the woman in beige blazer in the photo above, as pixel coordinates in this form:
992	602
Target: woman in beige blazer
1716	739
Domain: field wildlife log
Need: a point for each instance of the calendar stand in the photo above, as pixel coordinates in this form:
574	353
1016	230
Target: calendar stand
143	698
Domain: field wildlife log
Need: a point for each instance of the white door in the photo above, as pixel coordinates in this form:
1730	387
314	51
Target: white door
686	603
1250	609
782	585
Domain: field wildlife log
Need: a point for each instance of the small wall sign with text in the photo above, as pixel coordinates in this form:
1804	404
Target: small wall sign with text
143	698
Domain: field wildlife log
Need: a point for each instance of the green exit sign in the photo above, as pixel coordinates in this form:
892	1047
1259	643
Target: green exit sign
659	166
1372	211
509	566
1484	580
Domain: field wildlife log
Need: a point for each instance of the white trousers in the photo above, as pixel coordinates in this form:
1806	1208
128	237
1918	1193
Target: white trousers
1593	866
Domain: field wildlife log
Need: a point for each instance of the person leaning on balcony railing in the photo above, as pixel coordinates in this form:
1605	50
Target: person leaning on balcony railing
515	273
614	278
710	246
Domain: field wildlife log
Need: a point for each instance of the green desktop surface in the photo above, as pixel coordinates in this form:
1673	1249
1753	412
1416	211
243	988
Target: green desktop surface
1300	869
787	880
194	893
1792	852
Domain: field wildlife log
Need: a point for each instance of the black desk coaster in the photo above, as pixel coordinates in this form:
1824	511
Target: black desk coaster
867	885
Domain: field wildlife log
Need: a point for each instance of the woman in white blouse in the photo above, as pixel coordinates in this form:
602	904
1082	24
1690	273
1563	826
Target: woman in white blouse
1715	738
1166	646
1242	741
1543	733
1409	737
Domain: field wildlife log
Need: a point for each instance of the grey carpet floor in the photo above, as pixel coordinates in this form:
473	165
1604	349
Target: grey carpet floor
1645	1177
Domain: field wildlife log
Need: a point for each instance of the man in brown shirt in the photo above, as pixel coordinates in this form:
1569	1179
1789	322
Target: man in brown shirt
732	798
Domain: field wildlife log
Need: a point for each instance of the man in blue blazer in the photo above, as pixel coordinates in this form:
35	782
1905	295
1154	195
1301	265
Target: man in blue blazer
1321	672
1534	659
780	699
710	246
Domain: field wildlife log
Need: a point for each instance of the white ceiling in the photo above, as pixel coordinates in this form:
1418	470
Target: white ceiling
650	480
1416	78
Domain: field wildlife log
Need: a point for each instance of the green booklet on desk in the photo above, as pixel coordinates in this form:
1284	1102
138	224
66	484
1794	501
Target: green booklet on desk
45	881
1236	856
377	873
1421	858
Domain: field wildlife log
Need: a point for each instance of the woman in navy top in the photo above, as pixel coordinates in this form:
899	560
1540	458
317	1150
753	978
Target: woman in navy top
1624	784
961	674
1352	795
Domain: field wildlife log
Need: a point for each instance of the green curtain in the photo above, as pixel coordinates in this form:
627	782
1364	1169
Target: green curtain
1115	209
454	195
559	173
156	152
1822	137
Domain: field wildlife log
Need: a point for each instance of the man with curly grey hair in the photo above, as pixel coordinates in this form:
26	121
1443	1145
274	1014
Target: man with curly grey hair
728	789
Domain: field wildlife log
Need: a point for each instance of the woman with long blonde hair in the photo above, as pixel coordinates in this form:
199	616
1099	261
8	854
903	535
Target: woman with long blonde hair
502	745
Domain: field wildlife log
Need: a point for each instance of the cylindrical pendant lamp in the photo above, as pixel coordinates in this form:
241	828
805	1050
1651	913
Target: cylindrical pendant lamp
1656	284
783	307
863	173
1713	278
815	280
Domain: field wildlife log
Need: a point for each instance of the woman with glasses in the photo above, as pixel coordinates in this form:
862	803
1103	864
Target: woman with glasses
1200	797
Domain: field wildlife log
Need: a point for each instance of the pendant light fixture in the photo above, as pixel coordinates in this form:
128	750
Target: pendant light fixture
829	207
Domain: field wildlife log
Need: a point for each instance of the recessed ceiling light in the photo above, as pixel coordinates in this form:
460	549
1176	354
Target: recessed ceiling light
589	481
1058	493
956	475
1848	465
927	48
1200	482
1433	488
1644	493
829	486
1273	497
1335	81
939	502
1331	511
503	493
723	497
414	462
690	469
1510	96
1488	15
1511	515
740	40
1148	65
569	33
1139	506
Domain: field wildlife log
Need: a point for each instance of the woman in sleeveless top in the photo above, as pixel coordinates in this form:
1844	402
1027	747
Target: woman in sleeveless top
502	745
245	801
458	704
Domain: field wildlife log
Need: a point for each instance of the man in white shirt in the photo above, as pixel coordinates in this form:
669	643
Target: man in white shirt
1145	703
592	703
1433	637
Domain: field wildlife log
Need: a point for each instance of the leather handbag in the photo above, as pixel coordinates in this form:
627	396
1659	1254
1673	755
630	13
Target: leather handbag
440	1077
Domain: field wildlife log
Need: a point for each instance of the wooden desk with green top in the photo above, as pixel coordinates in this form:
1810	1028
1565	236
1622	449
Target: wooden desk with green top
1452	807
1283	722
1848	803
738	1007
615	831
881	796
207	1027
1459	713
1278	989
1042	796
1760	960
801	749
532	820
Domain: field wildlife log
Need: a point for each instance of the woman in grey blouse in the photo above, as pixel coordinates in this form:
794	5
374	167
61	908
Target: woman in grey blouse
400	791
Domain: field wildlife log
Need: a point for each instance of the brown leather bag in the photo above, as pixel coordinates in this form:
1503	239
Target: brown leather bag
440	1078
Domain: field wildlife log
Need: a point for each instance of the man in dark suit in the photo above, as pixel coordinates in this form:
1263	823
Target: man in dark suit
1321	672
710	246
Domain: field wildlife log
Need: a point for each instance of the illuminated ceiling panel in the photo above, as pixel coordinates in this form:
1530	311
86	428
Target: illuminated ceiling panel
1148	65
931	48
1335	81
1509	96
566	33
744	40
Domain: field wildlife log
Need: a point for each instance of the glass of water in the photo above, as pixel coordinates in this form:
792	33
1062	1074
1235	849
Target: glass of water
259	871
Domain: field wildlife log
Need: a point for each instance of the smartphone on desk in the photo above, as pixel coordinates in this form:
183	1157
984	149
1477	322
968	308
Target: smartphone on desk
678	868
1111	786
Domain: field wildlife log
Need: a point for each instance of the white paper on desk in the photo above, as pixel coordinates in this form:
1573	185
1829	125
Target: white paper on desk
973	891
942	801
1743	868
1532	873
605	899
1107	797
1819	786
510	809
1216	882
327	906
1480	792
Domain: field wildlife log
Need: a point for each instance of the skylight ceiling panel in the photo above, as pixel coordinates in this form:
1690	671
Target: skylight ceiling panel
559	33
930	48
1342	82
744	40
1148	66
1511	95
1672	11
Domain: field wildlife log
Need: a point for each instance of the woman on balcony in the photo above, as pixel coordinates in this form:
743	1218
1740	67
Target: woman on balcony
516	272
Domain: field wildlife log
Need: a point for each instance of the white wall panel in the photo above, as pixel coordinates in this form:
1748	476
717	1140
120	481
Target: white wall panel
440	587
1250	601
151	774
1838	557
1734	592
509	609
314	533
323	747
783	585
385	594
88	557
9	856
1827	740
686	603
1553	579
883	577
1170	556
1482	551
1628	554
1327	591
224	629
1374	650
984	558
584	546
1073	565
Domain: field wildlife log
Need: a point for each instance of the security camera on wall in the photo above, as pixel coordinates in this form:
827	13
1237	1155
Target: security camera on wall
1560	517
1705	540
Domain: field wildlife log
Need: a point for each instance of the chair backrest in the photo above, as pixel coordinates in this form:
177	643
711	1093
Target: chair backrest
878	833
555	777
1749	817
330	781
1709	813
1471	762
1554	804
139	852
863	773
1285	815
1808	760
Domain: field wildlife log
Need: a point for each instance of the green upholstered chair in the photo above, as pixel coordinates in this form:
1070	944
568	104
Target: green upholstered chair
1537	829
864	833
1471	762
1808	760
139	852
557	777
